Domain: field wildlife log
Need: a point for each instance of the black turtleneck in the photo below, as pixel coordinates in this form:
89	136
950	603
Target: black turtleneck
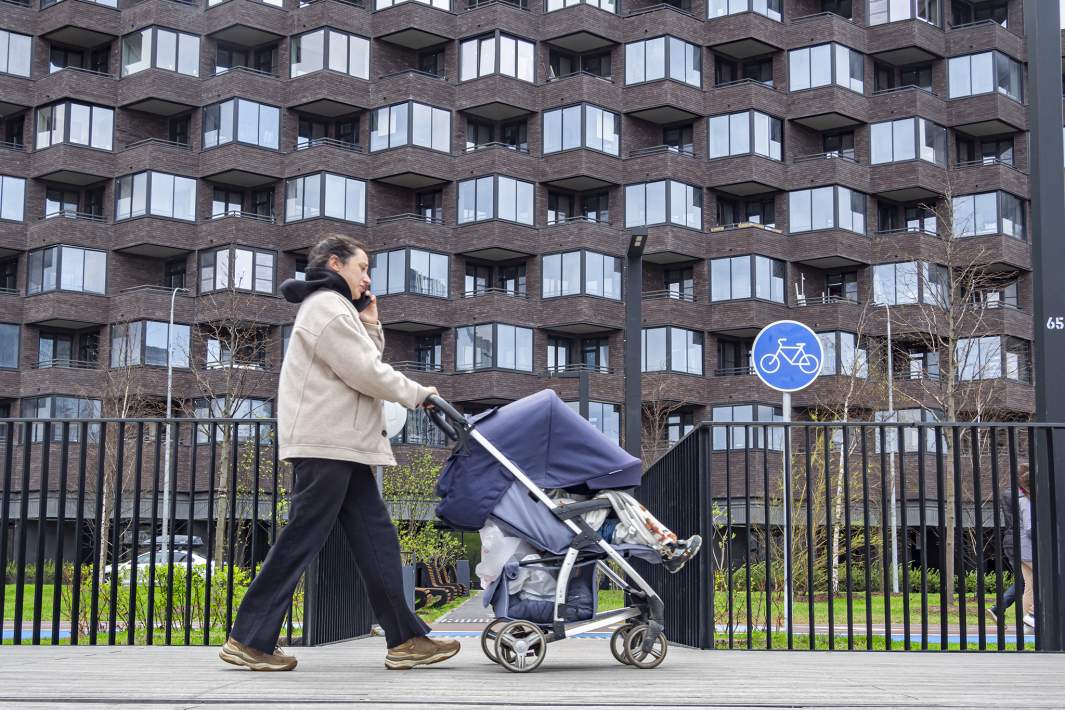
295	291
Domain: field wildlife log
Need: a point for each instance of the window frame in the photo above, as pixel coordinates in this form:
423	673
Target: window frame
834	80
408	272
326	31
996	57
18	344
231	249
919	125
321	213
669	349
913	7
494	214
752	135
374	122
837	202
753	264
149	181
723	438
9	52
923	270
497	48
67	105
495	347
583	268
235	125
153	60
58	267
749	6
583	143
667	54
5	212
141	357
667	204
1001	196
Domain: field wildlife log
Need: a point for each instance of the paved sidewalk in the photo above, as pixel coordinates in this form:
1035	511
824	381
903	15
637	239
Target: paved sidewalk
576	673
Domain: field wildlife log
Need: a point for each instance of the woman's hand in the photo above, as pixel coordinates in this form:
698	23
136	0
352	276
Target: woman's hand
426	404
369	314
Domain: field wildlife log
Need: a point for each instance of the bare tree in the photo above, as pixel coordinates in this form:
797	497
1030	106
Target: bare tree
656	408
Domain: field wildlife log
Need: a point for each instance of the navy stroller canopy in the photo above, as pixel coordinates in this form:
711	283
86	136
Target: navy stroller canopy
551	443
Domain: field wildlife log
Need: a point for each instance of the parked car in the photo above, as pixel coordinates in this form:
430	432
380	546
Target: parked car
161	560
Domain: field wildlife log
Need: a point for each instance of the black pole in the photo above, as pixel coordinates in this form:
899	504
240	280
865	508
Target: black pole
582	392
633	296
1043	34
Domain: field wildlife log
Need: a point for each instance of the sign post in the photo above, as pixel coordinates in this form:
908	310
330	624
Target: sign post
787	357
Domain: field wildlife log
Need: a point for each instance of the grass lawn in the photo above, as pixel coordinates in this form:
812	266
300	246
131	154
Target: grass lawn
429	614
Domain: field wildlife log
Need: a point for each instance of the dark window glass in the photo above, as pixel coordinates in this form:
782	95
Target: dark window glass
178	129
839	144
596	208
432	62
515	135
430	205
9	274
560	207
478	278
678	138
175	274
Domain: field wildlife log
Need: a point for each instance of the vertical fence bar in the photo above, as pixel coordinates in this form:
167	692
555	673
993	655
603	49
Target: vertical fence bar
156	473
75	595
729	532
904	545
231	492
922	532
255	500
212	472
886	533
1037	524
747	528
830	562
23	517
847	532
996	513
5	502
766	504
809	538
57	585
978	505
42	519
99	557
941	501
135	529
959	545
789	583
1015	504
704	485
116	534
171	516
187	621
868	551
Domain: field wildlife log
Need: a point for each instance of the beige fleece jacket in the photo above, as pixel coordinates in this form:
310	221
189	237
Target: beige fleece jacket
332	384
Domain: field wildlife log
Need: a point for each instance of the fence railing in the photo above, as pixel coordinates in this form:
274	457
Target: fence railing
863	535
118	531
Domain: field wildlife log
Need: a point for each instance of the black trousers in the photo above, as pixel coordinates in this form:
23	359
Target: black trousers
325	492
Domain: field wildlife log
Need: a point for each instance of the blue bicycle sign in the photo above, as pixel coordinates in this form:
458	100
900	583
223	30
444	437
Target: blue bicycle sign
787	356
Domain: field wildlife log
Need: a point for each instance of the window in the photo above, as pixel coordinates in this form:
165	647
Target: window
410	123
751	210
576	272
826	64
429	205
495	197
679	139
673	349
238	268
984	73
989	213
261	59
493	345
733	357
993	357
838	145
843	8
76	123
240	350
173	51
68	269
662	58
911	282
843	355
1005	296
830	207
439	4
647	203
15	53
563	64
12	197
842	286
742	437
411	270
509	279
178	129
145	343
420	431
985	151
68	349
9	275
157	194
9	345
174	274
231	408
680	283
606	417
727	71
966	12
679	425
311	132
607	5
737	277
62	407
773	9
745	132
910	436
883	11
908	139
325	195
498	53
428	351
346	53
254	123
579	126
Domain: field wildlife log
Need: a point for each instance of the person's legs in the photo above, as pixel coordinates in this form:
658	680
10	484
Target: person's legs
1028	601
375	546
316	499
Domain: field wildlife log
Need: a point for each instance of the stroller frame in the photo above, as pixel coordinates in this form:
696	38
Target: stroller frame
585	538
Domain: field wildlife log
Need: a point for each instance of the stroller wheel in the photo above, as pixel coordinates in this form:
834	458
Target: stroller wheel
488	639
520	647
634	648
617	644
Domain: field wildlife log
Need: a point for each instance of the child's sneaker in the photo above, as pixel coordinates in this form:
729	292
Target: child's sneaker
683	551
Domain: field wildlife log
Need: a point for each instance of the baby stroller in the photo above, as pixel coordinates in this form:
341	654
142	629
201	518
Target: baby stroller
497	472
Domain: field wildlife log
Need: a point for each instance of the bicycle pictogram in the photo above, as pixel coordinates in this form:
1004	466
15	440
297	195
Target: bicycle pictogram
792	354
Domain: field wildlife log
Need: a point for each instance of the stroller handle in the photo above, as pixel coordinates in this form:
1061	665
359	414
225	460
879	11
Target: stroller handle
446	418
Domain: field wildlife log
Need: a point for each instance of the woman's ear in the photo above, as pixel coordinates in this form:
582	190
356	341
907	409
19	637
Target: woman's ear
334	263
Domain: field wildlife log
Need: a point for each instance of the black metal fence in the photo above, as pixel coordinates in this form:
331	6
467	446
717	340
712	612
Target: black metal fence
120	531
863	535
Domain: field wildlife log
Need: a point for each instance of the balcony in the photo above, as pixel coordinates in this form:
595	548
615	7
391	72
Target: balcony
579	232
414	25
989	174
747	238
827	108
153	237
151	302
825	312
411	167
416	313
73	164
983	36
242	165
65	309
244	82
889	104
496	97
246	23
159	92
157	154
581	28
909	181
413	84
744	318
411	230
74	83
492	387
685	310
746	175
79	24
16	94
824	27
906	42
580	170
15	157
581	315
327	154
496	240
580	87
64	376
71	227
235	227
832	168
671	244
657	161
996	252
746	94
663	101
986	115
747	34
328	94
500	158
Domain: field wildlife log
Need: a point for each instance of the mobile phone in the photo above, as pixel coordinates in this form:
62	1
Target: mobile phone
362	302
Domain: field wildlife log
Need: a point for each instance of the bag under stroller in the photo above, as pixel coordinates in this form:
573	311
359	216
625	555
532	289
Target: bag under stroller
497	473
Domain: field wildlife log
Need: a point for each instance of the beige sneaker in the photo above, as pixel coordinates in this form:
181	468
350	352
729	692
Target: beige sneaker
419	651
240	655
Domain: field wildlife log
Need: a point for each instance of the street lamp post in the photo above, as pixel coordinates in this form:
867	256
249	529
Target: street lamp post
891	457
169	396
633	365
